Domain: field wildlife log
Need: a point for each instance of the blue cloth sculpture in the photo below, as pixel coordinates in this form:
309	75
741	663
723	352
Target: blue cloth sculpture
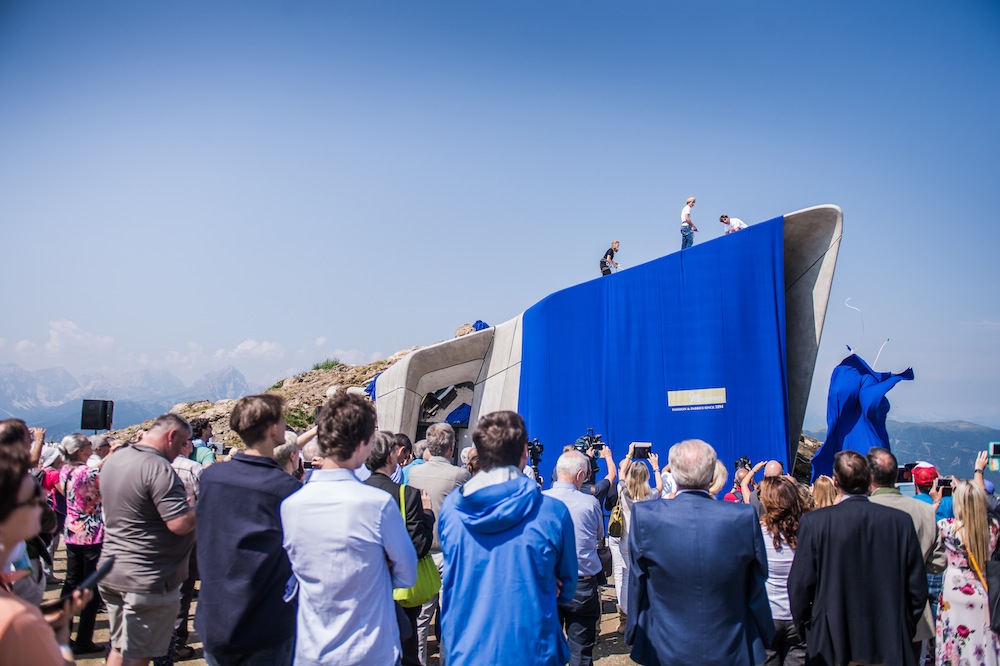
855	411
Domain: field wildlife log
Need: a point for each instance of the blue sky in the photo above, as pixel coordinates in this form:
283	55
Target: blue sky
186	185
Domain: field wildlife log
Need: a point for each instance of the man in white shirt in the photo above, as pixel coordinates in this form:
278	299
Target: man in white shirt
580	616
733	224
348	547
688	228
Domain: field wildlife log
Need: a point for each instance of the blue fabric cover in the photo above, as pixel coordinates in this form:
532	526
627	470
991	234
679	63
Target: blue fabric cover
460	414
603	354
855	411
370	389
480	325
505	546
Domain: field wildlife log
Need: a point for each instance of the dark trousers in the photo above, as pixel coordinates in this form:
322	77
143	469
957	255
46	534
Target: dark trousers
187	595
579	619
787	648
81	561
410	645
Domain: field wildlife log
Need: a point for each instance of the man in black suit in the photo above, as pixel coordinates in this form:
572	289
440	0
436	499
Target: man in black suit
382	462
697	573
857	586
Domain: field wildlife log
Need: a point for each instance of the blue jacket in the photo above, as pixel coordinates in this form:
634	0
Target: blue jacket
505	546
696	583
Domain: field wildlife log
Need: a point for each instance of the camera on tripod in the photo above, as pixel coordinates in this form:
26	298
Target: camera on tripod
535	449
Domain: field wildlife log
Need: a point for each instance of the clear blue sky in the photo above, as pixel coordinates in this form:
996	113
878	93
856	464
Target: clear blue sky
192	184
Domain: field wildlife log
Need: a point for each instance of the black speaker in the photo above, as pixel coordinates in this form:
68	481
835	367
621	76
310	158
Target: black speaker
97	414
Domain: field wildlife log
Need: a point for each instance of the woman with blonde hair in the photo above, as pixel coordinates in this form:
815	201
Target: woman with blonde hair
963	621
824	492
633	486
719	479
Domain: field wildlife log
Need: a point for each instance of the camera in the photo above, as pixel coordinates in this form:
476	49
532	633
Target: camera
740	463
589	443
535	449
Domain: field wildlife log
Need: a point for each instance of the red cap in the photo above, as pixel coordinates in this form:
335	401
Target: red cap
924	475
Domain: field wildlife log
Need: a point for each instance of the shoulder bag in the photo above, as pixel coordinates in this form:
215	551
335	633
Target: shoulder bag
428	579
616	524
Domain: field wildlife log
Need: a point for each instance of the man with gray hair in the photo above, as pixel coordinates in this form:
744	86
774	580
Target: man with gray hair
438	477
149	530
579	617
707	579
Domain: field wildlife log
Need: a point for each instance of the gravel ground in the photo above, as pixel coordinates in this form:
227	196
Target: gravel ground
611	650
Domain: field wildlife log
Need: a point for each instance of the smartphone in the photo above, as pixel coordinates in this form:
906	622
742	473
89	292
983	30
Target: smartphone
89	583
995	449
901	475
641	449
944	485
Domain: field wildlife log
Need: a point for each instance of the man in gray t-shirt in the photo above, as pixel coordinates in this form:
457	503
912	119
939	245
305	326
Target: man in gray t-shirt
149	530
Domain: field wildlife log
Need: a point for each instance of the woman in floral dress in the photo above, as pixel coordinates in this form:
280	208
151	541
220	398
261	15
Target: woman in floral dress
963	622
84	529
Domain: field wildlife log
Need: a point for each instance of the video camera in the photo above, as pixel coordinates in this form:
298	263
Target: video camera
589	443
535	449
591	446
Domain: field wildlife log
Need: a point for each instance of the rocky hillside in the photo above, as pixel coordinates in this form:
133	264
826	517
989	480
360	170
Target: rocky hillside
302	393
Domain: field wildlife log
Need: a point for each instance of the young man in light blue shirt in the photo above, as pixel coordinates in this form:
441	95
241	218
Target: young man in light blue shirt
348	547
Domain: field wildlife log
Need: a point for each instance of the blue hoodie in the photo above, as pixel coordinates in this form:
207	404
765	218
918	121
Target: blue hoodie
504	548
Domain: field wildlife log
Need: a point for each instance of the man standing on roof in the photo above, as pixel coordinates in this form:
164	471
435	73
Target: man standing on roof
688	228
608	260
733	224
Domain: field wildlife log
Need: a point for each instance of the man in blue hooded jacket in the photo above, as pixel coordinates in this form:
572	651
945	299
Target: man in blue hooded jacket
509	558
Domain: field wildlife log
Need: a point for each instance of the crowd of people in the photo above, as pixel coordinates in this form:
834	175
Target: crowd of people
350	545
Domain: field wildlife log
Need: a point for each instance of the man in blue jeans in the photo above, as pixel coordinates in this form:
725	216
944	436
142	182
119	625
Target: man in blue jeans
580	616
688	228
242	616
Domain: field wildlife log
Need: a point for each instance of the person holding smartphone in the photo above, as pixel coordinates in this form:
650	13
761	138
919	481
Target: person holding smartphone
26	637
633	486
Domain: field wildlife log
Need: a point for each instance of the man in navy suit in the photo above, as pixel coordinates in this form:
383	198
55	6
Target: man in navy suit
858	585
698	568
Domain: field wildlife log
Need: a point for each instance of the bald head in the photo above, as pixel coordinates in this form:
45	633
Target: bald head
773	468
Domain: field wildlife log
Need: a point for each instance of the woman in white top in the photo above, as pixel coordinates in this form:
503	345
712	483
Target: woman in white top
780	526
633	486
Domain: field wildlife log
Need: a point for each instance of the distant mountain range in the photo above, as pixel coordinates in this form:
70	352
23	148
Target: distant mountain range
951	446
53	398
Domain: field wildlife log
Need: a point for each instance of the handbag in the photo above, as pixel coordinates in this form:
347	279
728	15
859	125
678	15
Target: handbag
607	563
428	578
616	524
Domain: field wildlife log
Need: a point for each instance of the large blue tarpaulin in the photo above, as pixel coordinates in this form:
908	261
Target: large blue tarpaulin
856	408
691	345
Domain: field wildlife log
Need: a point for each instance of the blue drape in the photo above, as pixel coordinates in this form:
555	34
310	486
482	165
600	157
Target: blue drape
856	409
605	354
